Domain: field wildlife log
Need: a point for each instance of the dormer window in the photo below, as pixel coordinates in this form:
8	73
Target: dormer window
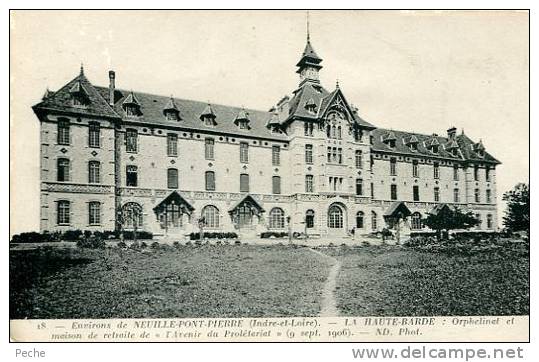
208	116
433	145
79	96
390	139
171	111
242	120
412	142
131	106
310	106
434	149
479	149
358	134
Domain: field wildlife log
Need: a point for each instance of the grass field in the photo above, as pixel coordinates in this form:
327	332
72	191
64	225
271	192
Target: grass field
390	281
206	281
263	281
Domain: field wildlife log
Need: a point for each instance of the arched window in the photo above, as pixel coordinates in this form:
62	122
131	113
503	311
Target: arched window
339	132
360	223
328	131
62	169
132	215
276	218
335	217
94	168
211	216
309	219
416	221
374	221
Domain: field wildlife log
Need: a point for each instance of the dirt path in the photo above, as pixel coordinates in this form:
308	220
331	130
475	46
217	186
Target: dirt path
328	305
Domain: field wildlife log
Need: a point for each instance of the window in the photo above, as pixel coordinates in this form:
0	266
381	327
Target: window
172	178
415	168
62	173
94	135
308	128
489	196
335	217
393	166
244	124
309	154
309	219
172	144
416	221
131	110
329	154
372	190
245	215
374	221
358	134
359	187
275	155
94	172
339	155
94	213
455	172
415	191
309	183
391	143
359	159
436	194
244	182
244	152
393	192
371	166
276	184
413	146
276	218
476	173
436	170
489	221
434	149
477	195
131	178
487	174
328	131
211	216
62	212
360	223
456	196
63	132
339	132
209	144
210	181
131	144
132	215
478	217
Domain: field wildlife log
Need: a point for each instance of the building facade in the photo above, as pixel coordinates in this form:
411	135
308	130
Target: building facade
113	159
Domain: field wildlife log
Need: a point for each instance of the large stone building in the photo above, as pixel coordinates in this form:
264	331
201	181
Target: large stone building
112	158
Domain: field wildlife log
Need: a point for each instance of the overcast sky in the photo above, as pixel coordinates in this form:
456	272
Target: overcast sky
422	72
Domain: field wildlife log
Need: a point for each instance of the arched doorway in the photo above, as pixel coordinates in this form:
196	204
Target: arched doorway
336	217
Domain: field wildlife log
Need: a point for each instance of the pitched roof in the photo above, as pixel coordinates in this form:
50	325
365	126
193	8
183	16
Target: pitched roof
403	140
174	198
398	207
171	105
151	107
61	100
249	200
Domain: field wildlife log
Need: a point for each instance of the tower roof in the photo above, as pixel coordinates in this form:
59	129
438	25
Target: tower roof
309	58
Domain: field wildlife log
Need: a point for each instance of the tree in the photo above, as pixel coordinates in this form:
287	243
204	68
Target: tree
517	214
450	219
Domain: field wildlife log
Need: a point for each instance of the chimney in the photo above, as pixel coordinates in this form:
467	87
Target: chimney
451	133
112	86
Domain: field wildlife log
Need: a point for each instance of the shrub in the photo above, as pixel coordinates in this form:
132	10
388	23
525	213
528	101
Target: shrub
143	245
365	243
154	245
72	235
237	242
121	245
213	235
91	243
32	237
275	234
176	244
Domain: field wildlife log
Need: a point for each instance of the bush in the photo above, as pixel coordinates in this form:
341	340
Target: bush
154	245
91	243
176	244
143	245
213	235
32	237
72	235
121	245
275	234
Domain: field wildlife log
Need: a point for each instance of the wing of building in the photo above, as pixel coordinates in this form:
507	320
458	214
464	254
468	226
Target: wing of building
114	158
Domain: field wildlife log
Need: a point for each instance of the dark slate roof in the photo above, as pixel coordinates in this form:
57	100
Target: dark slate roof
152	106
310	93
397	207
402	139
61	100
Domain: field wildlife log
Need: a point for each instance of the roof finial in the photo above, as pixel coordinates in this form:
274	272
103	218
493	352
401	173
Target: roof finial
81	68
337	83
308	30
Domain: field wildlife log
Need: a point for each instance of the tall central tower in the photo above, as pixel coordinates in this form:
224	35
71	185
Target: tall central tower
309	64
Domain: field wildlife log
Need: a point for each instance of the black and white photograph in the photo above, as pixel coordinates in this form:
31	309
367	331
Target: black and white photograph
354	165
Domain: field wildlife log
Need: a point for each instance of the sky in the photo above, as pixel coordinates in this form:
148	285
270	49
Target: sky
415	71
